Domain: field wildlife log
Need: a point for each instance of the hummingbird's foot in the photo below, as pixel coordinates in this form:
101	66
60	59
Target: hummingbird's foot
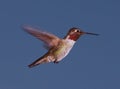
56	62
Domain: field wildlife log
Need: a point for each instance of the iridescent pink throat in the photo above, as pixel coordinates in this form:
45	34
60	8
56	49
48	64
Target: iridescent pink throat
74	37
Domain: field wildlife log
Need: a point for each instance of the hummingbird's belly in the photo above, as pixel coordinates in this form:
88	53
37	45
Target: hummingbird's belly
63	50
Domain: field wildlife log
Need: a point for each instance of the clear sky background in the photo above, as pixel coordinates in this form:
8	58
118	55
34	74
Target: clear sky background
93	63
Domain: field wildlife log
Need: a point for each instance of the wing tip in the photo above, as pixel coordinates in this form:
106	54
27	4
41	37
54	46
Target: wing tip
26	27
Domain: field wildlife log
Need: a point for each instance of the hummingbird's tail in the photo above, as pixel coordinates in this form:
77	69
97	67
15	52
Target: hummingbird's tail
41	60
37	62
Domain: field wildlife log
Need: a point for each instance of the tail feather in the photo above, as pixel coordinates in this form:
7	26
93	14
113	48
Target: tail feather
41	60
37	62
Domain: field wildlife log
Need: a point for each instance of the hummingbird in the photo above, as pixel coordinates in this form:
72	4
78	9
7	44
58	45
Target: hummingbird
58	48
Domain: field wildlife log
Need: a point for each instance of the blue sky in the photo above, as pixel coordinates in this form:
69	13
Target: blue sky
93	63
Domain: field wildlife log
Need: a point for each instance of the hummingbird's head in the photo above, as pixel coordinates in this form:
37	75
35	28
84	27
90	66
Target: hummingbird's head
75	33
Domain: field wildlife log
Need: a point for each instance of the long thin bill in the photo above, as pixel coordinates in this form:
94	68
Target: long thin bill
91	33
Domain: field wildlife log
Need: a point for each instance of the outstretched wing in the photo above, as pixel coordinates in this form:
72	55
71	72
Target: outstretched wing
49	39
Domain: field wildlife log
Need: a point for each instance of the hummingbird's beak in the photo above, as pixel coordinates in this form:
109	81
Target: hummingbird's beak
90	33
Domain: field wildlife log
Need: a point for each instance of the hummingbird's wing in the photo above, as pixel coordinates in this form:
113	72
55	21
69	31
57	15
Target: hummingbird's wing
44	59
49	39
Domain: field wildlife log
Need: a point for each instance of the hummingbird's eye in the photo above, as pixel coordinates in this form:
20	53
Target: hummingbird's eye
77	30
